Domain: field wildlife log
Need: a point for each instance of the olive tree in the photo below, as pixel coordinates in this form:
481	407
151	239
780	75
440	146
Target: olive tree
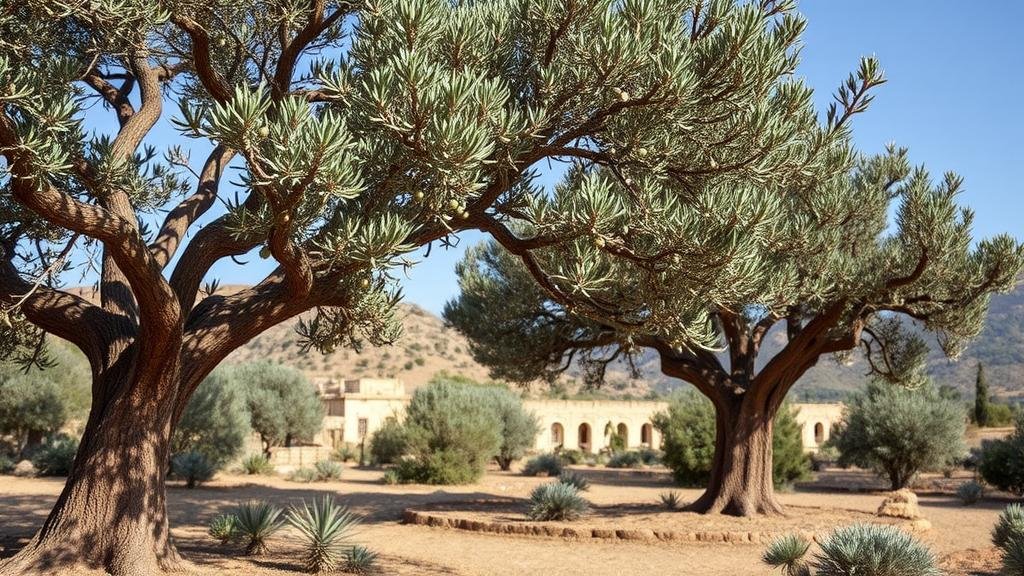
283	405
31	409
215	422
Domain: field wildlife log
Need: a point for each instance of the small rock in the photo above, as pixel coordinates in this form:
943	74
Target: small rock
24	468
920	525
900	504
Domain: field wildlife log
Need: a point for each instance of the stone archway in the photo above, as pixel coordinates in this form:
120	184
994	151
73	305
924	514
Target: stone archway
586	442
623	432
647	435
557	435
819	433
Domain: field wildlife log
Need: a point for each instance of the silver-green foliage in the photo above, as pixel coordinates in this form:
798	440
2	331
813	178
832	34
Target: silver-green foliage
873	549
257	464
970	492
557	501
1009	526
256	522
787	553
574	479
328	470
224	528
325	529
215	422
192	467
360	560
670	500
543	465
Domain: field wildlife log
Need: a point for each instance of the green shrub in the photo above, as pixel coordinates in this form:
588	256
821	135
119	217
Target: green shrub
519	427
345	453
1001	462
257	464
790	463
670	500
453	431
6	464
556	501
875	550
616	443
1013	557
787	553
626	460
304	475
283	405
574	479
215	422
327	470
970	492
224	528
324	528
256	522
543	465
649	456
391	477
32	408
575	457
389	443
898	431
360	560
1001	414
56	456
192	467
1009	526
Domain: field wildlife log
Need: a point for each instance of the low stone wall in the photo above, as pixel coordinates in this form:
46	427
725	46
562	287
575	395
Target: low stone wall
287	459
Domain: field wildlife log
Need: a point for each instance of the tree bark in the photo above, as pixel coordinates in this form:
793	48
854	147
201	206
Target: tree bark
112	513
741	481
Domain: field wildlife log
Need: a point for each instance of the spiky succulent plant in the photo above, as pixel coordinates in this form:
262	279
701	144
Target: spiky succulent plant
325	528
256	522
557	501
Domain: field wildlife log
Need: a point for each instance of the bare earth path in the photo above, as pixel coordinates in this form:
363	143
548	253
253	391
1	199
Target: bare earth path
415	550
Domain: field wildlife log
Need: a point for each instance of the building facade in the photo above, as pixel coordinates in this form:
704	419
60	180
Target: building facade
356	408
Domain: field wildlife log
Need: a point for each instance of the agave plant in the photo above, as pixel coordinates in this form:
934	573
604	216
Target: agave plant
391	477
324	527
670	500
224	528
304	475
192	467
574	479
788	552
970	492
1013	557
875	550
328	470
257	464
1010	526
257	521
557	501
360	560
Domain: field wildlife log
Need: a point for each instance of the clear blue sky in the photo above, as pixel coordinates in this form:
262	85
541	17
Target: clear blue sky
956	79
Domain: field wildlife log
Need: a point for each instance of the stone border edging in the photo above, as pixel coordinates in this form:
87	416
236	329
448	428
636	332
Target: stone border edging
422	518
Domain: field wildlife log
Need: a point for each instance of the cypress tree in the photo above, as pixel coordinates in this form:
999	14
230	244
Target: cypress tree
981	398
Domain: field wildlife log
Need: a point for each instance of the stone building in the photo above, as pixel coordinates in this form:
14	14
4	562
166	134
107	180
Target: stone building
356	408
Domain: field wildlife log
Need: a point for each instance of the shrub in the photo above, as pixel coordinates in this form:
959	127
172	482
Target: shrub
1013	557
789	461
6	464
898	431
389	443
574	479
626	460
575	457
215	422
788	552
826	456
453	431
224	528
970	492
32	408
1009	526
670	500
257	464
873	549
257	521
391	477
304	475
1001	462
543	465
324	528
360	560
557	501
327	470
519	427
192	467
649	456
56	456
345	453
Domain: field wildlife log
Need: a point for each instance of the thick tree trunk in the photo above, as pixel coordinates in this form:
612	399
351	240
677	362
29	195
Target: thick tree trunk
741	477
112	512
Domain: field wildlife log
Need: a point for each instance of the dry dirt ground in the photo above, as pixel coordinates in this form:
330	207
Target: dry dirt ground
960	535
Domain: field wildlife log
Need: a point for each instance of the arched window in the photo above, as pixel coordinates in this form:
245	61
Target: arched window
584	435
557	435
646	433
819	433
623	432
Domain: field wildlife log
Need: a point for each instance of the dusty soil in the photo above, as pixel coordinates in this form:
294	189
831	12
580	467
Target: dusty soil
960	535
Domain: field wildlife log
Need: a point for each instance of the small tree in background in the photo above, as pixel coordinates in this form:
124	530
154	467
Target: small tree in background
899	432
688	442
283	405
1002	461
982	402
519	427
388	443
453	431
32	408
215	422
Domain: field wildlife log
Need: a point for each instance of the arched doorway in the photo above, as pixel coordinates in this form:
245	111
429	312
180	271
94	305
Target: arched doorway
819	433
623	432
584	436
557	435
646	433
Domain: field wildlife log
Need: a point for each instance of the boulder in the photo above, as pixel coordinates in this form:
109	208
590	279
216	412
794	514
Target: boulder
24	468
900	504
